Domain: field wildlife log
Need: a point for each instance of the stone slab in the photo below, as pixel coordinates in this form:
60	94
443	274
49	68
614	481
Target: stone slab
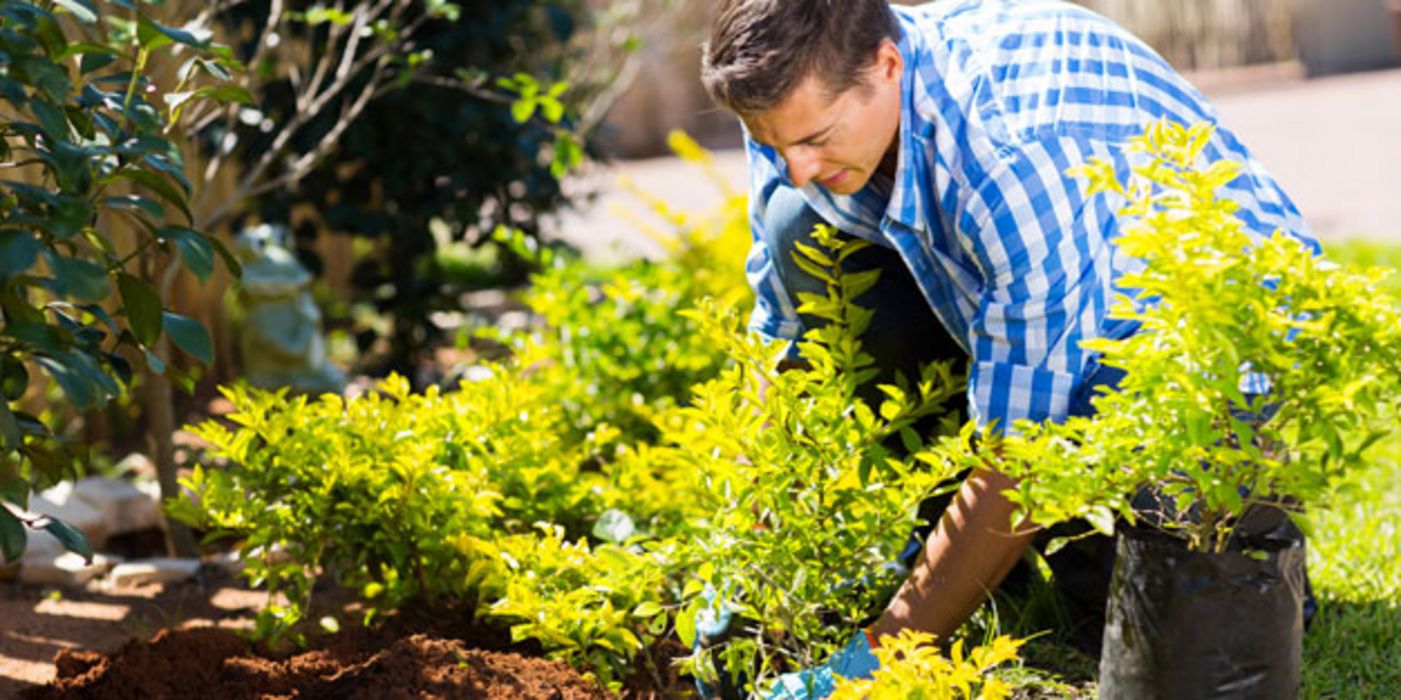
147	571
68	570
125	507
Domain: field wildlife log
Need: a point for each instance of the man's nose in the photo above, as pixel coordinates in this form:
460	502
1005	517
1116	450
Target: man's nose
803	165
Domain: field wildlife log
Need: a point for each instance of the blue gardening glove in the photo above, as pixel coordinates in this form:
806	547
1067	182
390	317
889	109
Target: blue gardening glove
855	661
712	623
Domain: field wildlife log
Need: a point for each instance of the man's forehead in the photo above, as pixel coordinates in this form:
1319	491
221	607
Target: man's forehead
803	115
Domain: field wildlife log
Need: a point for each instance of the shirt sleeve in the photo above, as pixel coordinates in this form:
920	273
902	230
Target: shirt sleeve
1048	265
775	316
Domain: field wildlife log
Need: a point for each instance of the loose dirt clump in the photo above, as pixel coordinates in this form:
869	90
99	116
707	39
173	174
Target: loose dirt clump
216	663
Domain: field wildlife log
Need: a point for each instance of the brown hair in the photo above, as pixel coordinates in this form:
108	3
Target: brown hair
759	50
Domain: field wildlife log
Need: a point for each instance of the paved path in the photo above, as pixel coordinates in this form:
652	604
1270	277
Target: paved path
1334	143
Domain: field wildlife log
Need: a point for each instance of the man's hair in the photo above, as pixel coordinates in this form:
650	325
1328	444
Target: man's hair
760	50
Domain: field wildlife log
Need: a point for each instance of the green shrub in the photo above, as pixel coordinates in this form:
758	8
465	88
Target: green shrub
595	608
386	490
617	341
911	668
88	147
1216	305
806	507
407	496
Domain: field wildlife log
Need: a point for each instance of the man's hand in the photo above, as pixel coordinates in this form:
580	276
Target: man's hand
855	661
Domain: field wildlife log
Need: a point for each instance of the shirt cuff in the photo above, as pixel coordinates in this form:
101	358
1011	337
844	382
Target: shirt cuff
1001	393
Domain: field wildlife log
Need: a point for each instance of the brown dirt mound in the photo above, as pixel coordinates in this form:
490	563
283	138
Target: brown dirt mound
215	663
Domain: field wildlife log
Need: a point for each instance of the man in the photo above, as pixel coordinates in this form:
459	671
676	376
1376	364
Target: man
942	133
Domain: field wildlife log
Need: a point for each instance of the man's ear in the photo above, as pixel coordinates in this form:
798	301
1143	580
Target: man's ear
890	64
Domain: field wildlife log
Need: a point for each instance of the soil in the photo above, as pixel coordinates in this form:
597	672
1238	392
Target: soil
217	663
182	641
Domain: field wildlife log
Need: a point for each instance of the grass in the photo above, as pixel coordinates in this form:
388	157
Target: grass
1353	649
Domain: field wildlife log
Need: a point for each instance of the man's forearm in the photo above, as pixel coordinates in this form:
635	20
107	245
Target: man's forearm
964	559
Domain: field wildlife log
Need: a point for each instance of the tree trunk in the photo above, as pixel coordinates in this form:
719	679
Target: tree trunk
160	421
160	417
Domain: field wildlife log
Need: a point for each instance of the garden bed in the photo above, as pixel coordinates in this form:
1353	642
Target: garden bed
184	641
219	663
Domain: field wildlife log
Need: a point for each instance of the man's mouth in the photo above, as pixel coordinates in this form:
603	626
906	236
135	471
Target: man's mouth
834	180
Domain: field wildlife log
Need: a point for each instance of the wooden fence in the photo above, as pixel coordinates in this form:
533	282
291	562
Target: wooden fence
1205	34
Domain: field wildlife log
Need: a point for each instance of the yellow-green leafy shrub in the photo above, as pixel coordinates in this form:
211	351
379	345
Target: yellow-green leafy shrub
615	343
912	668
805	504
378	488
1216	306
595	607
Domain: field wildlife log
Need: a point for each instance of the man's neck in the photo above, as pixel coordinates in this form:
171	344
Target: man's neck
891	161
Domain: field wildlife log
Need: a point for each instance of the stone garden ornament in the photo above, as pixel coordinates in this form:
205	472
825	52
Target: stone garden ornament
281	341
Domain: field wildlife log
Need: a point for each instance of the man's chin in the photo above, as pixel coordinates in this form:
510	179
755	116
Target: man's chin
849	185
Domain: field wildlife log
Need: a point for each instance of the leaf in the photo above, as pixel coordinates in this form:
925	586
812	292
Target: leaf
14	378
190	336
71	539
230	260
1101	518
82	10
647	609
52	119
78	378
15	491
143	308
154	363
135	203
19	250
79	278
226	93
164	165
686	623
162	187
95	61
153	35
196	250
12	535
10	436
523	109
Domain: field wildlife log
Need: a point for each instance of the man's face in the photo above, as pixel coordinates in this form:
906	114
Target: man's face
840	142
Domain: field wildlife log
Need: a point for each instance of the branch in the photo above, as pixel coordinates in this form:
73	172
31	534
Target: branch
303	165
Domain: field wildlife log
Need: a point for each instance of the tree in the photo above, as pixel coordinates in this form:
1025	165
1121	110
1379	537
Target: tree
99	208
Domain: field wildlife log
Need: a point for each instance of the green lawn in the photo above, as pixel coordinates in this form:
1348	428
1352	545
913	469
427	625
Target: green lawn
1354	648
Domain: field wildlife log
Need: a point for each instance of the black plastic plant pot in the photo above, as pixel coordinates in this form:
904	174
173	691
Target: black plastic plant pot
1185	625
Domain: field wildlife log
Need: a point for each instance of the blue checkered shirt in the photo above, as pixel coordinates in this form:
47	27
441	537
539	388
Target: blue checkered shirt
999	99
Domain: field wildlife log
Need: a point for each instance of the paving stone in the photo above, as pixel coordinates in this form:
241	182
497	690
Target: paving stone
67	569
62	502
147	571
125	507
40	542
232	562
229	562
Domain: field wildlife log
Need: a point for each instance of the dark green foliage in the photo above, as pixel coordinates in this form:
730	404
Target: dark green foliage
446	139
85	146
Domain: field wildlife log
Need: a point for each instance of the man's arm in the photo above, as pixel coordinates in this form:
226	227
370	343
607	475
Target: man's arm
965	558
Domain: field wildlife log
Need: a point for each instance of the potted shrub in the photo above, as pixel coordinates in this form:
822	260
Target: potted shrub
1259	376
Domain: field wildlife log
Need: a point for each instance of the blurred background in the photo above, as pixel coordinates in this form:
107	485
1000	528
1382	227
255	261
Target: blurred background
1306	83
